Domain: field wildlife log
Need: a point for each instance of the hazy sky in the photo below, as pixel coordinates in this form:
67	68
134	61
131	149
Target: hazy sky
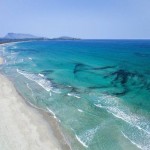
78	18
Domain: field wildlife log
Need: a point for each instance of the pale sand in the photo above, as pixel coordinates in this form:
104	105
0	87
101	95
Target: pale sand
21	126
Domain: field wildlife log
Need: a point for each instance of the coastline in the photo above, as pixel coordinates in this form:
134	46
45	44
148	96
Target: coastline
24	127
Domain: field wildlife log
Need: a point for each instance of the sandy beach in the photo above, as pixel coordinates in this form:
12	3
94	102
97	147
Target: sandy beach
22	127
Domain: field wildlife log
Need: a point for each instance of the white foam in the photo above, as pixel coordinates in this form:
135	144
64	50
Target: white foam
113	105
56	91
137	145
80	110
69	86
41	75
86	137
84	144
30	90
38	79
29	87
74	95
52	112
29	58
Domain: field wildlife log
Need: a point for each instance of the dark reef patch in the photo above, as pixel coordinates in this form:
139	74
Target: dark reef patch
50	79
122	80
74	90
46	72
98	87
122	76
101	68
124	92
83	67
80	67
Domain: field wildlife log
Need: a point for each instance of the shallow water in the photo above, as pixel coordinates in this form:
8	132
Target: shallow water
98	90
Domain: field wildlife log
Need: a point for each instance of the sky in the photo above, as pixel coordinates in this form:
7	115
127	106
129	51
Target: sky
89	19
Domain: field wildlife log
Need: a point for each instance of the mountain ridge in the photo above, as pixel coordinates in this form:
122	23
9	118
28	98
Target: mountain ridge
20	36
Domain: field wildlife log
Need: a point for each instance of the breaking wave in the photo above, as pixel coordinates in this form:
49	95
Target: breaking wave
86	137
46	84
113	105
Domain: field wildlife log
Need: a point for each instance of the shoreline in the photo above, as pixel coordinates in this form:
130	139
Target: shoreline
28	125
24	126
51	120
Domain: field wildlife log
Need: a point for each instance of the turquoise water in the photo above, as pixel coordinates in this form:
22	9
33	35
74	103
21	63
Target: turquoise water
98	90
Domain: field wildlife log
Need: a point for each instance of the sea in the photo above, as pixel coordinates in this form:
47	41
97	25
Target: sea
98	91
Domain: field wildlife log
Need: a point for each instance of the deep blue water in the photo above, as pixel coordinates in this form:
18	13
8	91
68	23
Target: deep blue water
98	90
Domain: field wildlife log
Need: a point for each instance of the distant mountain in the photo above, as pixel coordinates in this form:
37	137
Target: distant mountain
66	38
20	36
